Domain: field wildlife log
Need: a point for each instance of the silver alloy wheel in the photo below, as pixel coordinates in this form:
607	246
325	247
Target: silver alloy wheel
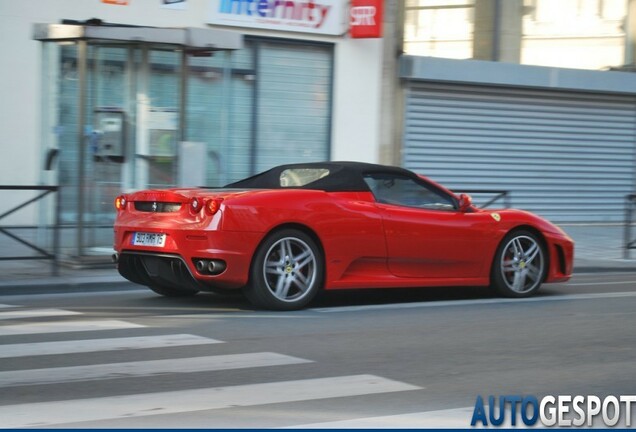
522	264
290	269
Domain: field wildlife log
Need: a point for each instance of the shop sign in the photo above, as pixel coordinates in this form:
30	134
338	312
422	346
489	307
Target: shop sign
366	18
306	16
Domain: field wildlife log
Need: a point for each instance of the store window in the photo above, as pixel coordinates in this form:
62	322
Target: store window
219	106
581	34
293	104
262	106
119	117
439	28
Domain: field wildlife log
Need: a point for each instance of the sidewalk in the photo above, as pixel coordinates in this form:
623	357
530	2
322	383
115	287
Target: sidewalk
599	248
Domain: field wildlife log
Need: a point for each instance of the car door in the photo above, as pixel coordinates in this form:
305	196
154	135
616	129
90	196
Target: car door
427	236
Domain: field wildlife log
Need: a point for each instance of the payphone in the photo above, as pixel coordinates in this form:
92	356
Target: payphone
109	134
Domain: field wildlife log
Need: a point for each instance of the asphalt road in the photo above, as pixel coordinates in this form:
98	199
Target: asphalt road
408	358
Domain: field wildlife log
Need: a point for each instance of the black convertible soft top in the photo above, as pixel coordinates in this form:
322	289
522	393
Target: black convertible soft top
342	177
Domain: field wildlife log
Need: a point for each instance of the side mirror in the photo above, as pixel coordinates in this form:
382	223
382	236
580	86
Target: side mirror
465	202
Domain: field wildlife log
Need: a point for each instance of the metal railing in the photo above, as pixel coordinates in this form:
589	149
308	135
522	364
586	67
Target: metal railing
498	195
630	216
42	253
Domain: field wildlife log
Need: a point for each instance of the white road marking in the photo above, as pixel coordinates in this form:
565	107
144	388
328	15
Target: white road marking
449	418
446	303
99	345
632	283
35	313
145	368
454	418
75	295
230	314
113	407
63	327
2	306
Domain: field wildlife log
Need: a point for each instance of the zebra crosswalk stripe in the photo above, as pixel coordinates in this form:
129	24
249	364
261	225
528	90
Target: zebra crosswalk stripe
99	345
35	313
65	326
145	368
43	414
448	418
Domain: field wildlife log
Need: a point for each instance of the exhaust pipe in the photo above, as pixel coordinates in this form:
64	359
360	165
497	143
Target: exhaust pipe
209	267
200	266
216	267
115	258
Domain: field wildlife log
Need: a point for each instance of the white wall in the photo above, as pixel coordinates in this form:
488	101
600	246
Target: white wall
357	100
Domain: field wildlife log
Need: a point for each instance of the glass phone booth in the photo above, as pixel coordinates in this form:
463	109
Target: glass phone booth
114	112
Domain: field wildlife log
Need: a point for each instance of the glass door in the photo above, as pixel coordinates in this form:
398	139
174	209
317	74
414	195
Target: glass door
108	141
158	129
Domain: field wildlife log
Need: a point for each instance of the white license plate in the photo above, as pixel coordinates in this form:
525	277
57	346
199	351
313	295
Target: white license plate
149	239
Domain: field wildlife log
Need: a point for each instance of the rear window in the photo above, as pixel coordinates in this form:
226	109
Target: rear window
298	177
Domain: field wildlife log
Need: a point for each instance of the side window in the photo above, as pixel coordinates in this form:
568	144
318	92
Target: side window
407	192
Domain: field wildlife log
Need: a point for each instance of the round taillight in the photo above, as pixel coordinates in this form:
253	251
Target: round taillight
195	205
213	206
120	202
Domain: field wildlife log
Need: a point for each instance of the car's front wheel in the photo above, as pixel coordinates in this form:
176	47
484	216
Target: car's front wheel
287	271
520	264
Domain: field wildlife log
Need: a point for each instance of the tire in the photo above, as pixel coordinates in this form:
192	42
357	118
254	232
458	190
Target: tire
520	265
287	271
167	291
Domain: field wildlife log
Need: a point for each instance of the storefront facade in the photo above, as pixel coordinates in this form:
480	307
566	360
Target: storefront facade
123	113
319	80
534	97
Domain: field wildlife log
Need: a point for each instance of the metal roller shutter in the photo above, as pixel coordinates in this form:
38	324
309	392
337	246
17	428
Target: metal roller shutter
293	106
569	157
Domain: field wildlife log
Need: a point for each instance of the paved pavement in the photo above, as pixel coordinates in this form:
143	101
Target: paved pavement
599	248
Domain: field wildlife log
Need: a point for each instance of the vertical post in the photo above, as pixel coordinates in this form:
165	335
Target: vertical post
56	232
82	52
254	141
630	33
183	101
183	96
393	92
496	31
627	234
225	147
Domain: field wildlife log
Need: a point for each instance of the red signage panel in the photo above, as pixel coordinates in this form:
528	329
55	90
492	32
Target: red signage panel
366	18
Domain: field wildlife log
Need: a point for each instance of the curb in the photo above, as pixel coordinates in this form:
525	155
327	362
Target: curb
70	285
67	286
597	269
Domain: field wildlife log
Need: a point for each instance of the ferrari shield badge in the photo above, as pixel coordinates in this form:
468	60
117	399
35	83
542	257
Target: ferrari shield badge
496	216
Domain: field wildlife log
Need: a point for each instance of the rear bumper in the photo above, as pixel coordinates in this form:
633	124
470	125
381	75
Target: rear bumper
156	269
174	264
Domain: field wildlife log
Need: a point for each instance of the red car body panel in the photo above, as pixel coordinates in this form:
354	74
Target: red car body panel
366	244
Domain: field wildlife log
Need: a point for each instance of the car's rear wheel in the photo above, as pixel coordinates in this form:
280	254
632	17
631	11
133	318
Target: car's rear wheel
287	271
520	264
168	291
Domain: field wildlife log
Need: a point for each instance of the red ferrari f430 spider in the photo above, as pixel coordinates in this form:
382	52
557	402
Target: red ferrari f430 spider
285	234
